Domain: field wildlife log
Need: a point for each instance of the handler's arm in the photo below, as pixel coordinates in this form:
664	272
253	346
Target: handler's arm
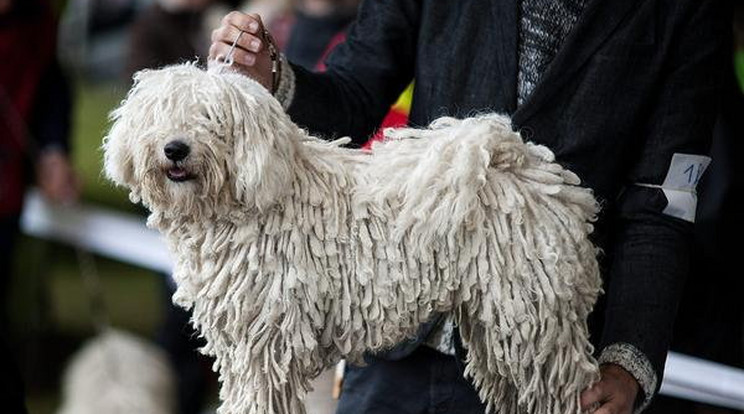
364	75
651	248
50	127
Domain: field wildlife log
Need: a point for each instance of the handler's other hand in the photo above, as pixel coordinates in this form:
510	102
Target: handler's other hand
251	55
56	178
615	393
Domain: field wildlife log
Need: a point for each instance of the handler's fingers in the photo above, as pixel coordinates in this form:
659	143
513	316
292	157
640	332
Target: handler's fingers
246	41
219	51
592	397
250	23
251	55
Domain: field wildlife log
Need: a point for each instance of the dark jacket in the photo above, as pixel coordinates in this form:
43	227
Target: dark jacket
635	82
35	98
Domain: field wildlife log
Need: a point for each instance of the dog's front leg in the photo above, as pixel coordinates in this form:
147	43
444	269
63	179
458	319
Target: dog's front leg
273	381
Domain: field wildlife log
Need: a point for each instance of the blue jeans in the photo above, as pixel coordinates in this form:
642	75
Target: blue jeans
424	382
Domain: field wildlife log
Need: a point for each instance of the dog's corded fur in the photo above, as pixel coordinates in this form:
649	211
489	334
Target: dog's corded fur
294	252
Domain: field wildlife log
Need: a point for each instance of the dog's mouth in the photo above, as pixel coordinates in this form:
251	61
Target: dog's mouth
178	174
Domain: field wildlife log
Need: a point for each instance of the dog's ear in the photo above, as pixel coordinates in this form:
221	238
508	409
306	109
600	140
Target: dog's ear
265	148
118	159
118	145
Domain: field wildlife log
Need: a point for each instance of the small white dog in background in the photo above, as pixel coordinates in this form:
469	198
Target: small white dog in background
118	373
294	252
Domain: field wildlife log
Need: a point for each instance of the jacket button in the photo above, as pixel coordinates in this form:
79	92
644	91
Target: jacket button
527	132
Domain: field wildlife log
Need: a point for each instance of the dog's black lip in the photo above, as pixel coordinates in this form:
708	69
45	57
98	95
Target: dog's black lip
178	174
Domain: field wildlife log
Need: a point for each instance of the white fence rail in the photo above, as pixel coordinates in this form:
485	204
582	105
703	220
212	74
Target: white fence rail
106	232
704	381
124	237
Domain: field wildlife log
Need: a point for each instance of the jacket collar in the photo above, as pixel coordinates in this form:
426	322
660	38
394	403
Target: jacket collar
598	21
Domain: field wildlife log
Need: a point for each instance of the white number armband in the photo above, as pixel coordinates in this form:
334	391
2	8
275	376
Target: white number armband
680	185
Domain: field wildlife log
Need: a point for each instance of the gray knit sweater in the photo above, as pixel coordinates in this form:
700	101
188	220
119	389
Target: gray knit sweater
543	27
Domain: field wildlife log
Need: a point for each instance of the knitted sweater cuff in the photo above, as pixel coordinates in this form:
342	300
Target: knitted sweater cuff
637	364
286	89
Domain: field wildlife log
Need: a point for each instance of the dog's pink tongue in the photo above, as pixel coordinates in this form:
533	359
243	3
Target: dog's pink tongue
176	172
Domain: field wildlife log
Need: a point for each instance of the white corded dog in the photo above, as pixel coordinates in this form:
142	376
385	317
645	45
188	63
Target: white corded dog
294	252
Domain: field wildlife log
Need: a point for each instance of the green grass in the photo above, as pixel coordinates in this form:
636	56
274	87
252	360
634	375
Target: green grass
94	102
739	63
131	295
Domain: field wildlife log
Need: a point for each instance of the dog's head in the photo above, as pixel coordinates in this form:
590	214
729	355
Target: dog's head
190	141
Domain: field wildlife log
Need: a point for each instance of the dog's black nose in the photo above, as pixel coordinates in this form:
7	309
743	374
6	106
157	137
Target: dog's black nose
176	150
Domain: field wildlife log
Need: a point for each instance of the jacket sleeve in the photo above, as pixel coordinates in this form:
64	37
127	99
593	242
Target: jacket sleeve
51	122
649	253
364	75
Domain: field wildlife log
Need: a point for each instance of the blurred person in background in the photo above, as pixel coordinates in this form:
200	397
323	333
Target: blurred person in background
176	31
35	105
615	89
319	25
279	16
171	31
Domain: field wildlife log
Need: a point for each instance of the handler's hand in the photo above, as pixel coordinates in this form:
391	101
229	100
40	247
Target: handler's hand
56	178
251	55
615	393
